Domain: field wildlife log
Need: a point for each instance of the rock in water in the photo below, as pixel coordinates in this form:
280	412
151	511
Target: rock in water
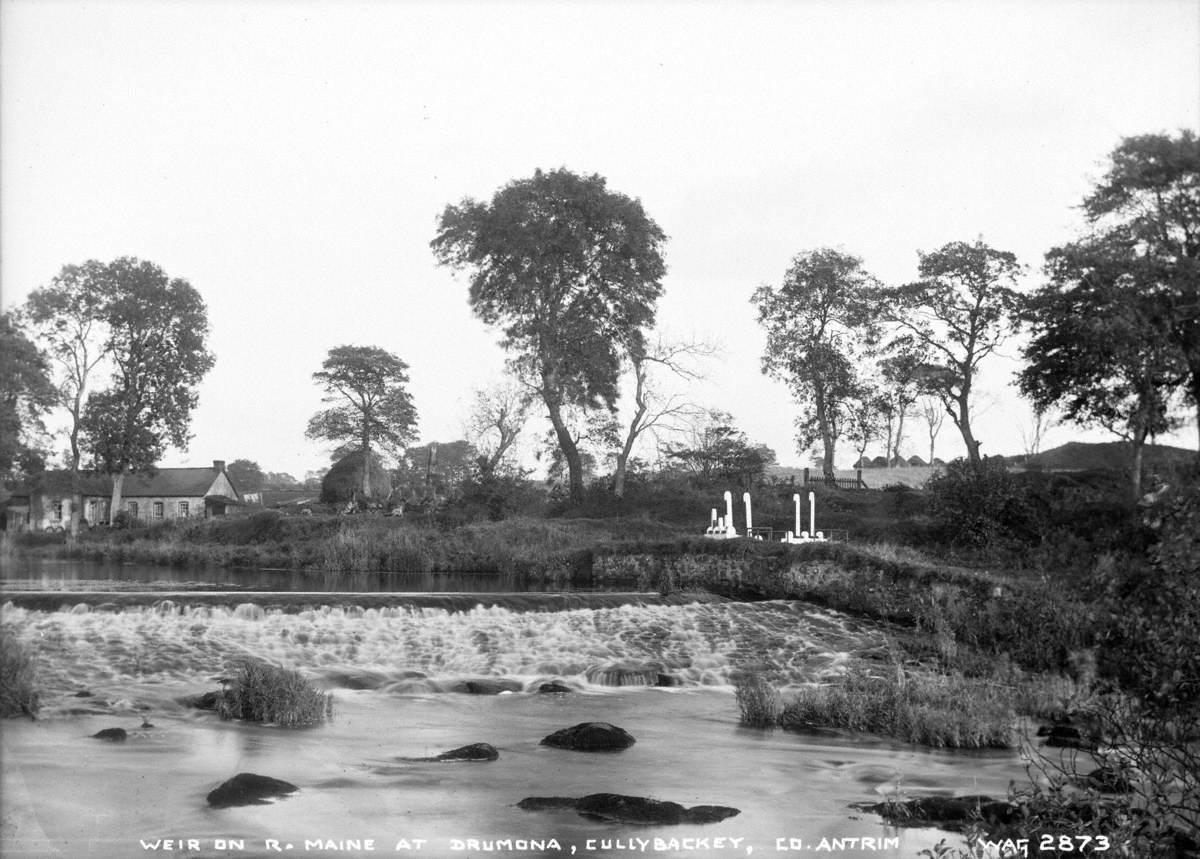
249	789
473	752
638	810
591	737
624	674
553	687
113	735
487	686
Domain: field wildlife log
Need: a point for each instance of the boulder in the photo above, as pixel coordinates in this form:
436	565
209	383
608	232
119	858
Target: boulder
590	737
249	789
637	810
113	735
83	693
488	686
553	687
473	752
207	701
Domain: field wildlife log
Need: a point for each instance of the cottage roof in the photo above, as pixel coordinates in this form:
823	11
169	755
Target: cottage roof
164	482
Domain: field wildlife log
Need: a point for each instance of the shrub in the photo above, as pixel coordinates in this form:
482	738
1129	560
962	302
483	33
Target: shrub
17	694
980	506
259	692
757	700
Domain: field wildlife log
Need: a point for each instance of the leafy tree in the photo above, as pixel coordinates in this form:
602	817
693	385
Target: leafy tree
371	405
281	480
156	331
961	310
593	432
1099	352
718	451
68	317
813	324
571	272
247	475
26	392
435	470
864	416
902	376
1148	203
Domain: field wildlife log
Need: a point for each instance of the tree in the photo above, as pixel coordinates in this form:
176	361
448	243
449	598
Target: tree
247	476
719	451
813	323
1099	352
26	393
653	411
497	418
571	272
435	470
864	417
1149	203
593	433
934	414
156	332
902	376
372	406
961	310
68	317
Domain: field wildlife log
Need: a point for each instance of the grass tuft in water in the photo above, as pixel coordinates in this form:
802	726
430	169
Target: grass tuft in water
757	700
938	710
17	693
259	692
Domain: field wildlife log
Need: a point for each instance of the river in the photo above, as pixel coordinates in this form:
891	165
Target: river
119	647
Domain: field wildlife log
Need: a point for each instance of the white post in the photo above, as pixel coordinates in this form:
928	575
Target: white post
796	501
812	512
749	519
713	520
728	509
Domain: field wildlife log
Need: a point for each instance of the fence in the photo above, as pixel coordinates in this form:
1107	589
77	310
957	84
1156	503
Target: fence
833	481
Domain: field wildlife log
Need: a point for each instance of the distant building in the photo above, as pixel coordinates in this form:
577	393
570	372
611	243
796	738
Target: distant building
916	461
168	493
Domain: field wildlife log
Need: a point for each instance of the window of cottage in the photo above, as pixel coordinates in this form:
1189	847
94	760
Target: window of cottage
133	509
56	511
158	509
184	509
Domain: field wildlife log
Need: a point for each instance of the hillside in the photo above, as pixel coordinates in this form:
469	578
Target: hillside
1103	456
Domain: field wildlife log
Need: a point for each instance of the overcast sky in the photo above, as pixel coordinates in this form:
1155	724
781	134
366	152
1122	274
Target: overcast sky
290	159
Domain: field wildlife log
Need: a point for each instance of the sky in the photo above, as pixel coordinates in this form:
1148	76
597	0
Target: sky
290	159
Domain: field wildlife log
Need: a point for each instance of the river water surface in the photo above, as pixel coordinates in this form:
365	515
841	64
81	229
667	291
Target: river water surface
120	646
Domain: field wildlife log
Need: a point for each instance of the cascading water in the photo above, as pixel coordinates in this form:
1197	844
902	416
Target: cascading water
399	667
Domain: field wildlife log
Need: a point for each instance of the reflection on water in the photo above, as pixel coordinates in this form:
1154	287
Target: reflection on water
44	575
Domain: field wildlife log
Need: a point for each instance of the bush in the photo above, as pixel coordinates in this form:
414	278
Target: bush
260	692
981	506
17	694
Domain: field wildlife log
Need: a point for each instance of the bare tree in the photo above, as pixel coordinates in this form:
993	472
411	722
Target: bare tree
655	412
1033	432
497	418
934	414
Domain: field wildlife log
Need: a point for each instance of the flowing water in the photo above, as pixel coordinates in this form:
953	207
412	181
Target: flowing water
118	650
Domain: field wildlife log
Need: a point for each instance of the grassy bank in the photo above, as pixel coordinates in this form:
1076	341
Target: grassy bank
550	548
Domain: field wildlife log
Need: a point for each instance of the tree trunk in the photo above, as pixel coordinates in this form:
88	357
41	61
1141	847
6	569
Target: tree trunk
899	436
114	507
962	420
828	442
569	448
932	438
1139	445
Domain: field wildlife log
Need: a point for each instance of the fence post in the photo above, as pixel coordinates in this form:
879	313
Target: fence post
806	477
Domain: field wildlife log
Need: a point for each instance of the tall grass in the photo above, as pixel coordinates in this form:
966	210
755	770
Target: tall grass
942	711
17	693
757	700
259	692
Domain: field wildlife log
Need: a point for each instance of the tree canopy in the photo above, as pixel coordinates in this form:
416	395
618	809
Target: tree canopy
371	407
964	306
157	328
571	272
26	393
812	323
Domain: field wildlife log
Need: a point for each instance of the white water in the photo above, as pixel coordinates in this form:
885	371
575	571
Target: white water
67	794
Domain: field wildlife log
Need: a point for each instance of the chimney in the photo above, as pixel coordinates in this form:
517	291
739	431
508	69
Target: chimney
218	465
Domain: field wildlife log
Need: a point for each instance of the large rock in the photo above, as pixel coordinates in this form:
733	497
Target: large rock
473	752
637	810
624	674
249	789
113	735
591	737
553	687
488	686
